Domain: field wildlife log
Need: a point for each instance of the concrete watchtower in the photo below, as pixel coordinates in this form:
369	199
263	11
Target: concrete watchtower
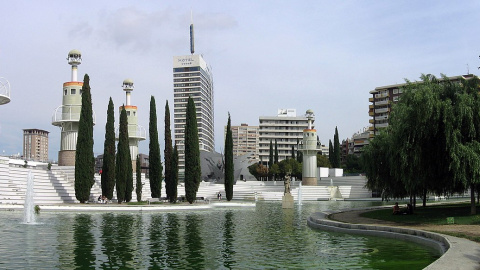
136	132
309	148
67	115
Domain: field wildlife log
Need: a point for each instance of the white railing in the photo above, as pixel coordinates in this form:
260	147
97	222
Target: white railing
68	113
383	110
4	91
140	132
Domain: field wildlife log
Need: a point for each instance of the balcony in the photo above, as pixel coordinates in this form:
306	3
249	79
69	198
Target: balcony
4	91
383	110
383	102
68	113
134	132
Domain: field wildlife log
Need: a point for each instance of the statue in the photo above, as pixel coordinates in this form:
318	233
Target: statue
286	182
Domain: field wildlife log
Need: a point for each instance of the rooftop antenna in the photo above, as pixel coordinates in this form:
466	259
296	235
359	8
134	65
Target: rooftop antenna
192	45
468	69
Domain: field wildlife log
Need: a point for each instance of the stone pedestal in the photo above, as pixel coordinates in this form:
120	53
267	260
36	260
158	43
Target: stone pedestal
66	158
309	181
287	200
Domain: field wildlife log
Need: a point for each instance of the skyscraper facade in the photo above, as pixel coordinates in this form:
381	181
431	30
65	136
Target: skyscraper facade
193	78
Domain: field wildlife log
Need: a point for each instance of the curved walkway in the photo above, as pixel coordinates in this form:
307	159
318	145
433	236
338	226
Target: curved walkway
458	253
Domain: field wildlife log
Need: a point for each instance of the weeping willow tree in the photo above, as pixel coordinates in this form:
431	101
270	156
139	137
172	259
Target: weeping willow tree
431	144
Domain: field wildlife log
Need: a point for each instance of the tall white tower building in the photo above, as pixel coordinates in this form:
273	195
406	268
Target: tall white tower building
310	147
136	132
67	115
192	77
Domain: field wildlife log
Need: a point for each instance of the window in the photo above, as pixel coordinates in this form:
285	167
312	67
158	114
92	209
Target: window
72	92
128	113
65	92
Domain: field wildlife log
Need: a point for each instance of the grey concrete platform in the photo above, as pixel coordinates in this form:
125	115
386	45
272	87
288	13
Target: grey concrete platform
76	207
458	253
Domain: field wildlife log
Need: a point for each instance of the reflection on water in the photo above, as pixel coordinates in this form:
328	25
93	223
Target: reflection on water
84	242
263	237
228	250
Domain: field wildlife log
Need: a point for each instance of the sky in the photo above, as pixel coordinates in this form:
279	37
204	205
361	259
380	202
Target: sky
265	55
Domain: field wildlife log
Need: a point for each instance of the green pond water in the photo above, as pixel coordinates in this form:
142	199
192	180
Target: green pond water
261	237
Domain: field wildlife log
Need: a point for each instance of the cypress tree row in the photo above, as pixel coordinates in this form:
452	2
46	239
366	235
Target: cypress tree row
138	185
229	167
270	160
123	158
84	158
336	149
299	154
293	152
155	172
173	197
192	153
168	155
108	168
330	153
276	152
129	183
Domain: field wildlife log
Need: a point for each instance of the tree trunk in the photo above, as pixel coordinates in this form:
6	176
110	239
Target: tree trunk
414	202
473	207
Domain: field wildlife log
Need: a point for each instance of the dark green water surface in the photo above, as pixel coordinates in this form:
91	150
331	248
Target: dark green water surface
263	237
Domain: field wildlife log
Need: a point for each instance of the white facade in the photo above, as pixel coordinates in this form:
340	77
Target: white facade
286	127
193	78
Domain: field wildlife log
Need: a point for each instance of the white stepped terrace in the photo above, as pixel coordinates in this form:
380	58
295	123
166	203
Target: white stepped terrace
57	186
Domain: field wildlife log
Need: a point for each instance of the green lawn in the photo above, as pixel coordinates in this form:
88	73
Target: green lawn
436	214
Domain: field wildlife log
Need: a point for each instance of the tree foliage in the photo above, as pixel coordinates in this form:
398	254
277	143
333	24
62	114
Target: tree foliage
290	166
123	161
84	158
138	184
108	167
276	152
168	155
173	197
432	142
229	166
258	171
155	167
353	164
330	152
270	161
336	150
323	161
192	153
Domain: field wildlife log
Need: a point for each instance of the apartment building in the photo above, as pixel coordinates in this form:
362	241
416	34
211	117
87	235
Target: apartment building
286	127
383	97
35	145
245	140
